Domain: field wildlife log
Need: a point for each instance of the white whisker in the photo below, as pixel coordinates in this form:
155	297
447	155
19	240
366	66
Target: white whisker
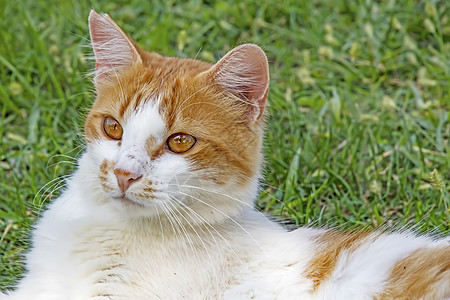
183	232
160	223
225	215
51	186
195	232
206	224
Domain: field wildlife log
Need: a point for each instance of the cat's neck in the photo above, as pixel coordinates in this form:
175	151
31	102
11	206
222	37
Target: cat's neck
91	211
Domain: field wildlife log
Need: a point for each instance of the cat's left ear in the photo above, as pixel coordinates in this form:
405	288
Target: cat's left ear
244	71
113	49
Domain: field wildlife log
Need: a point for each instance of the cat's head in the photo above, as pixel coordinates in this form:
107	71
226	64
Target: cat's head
174	136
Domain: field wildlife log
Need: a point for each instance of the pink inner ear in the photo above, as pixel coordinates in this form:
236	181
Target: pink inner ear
112	49
244	71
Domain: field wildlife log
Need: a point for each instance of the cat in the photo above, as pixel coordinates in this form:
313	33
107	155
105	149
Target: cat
161	204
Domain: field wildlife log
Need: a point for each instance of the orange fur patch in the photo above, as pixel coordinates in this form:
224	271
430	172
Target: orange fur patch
331	245
424	274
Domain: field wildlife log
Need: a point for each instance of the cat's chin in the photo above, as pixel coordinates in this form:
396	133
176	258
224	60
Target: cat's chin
134	208
129	203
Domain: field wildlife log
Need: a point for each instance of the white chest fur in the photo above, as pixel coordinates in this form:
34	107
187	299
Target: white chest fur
85	251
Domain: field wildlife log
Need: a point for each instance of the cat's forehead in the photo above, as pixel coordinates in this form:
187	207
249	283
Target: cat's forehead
168	81
145	121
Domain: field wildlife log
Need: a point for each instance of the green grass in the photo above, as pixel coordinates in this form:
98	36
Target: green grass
359	103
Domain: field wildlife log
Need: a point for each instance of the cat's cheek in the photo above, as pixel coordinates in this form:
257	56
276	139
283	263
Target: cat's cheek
99	163
174	175
103	149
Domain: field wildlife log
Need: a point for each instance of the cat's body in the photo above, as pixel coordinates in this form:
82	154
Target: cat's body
161	206
97	253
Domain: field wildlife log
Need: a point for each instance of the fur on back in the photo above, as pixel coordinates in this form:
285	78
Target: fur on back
161	204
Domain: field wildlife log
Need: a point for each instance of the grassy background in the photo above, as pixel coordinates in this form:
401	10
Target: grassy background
359	102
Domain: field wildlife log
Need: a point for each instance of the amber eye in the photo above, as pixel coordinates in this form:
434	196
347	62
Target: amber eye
180	142
112	128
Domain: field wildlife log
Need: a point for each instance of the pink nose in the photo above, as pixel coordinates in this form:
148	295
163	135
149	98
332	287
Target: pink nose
125	179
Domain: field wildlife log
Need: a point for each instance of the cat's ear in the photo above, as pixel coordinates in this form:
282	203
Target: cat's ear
244	71
113	49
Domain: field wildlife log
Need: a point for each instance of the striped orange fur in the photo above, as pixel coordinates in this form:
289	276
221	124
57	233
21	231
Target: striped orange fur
424	274
330	245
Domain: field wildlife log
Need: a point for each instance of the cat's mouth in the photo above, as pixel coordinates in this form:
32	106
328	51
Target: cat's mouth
128	202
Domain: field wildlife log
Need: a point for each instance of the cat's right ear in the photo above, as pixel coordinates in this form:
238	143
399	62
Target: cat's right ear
113	49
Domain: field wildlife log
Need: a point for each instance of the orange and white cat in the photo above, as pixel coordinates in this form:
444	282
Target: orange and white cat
161	205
